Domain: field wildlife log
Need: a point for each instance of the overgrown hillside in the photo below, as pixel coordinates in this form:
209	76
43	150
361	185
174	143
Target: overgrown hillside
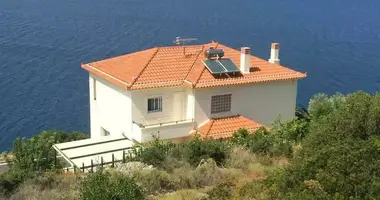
331	151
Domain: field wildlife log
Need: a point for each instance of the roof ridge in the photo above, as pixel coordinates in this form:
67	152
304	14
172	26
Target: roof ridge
204	68
230	116
196	59
138	75
208	130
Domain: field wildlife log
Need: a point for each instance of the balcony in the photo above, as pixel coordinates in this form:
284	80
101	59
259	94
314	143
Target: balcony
153	125
164	130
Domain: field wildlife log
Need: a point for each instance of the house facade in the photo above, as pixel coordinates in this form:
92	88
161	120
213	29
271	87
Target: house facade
175	92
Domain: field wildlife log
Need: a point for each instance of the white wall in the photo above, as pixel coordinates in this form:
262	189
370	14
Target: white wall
262	102
111	109
174	105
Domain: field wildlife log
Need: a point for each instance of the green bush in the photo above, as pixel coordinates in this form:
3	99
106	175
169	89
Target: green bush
37	154
263	142
340	157
198	149
154	153
99	186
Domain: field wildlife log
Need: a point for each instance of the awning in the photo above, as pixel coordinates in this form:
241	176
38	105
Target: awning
80	153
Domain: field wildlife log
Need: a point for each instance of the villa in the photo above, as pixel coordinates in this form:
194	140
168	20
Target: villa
177	91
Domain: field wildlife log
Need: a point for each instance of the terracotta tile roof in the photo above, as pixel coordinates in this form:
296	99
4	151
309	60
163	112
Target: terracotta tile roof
177	65
224	127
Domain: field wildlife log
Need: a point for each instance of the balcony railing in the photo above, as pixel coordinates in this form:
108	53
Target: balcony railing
163	123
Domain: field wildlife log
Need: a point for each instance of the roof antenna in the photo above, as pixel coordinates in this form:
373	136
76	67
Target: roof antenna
179	41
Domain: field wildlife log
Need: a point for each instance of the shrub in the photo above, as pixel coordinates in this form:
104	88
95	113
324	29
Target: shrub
222	191
198	149
37	154
185	195
291	131
99	186
251	190
8	184
261	142
240	158
184	178
153	180
208	173
154	153
48	187
339	158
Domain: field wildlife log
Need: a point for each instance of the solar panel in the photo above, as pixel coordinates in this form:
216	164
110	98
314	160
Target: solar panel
221	66
228	65
214	67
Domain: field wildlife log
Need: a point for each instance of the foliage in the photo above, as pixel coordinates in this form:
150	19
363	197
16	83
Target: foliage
48	186
33	156
37	153
222	191
154	153
99	186
157	152
154	180
292	131
263	142
340	159
251	190
321	105
198	149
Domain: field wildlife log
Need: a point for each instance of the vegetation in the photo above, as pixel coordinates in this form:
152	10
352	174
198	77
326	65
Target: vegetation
100	185
330	151
34	156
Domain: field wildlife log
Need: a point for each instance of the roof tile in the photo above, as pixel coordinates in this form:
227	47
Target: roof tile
178	65
226	126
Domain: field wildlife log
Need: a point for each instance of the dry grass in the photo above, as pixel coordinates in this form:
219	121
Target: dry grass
154	180
61	188
183	195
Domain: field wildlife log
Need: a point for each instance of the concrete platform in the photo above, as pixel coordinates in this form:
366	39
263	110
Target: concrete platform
3	168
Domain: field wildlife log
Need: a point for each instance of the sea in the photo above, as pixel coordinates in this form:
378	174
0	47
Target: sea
44	42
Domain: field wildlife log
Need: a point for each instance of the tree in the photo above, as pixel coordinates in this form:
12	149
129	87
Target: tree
37	154
321	105
340	158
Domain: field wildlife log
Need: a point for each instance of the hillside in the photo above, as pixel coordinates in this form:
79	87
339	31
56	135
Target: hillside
330	151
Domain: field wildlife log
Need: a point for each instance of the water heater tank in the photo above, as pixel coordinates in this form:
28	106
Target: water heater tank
210	53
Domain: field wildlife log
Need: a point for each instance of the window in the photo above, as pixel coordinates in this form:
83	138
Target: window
94	88
221	103
104	132
155	104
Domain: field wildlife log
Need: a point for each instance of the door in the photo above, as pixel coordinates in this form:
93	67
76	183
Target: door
178	106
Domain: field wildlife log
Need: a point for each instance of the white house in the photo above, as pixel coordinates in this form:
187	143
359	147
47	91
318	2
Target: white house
176	91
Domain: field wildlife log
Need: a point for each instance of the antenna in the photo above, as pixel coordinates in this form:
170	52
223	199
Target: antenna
180	41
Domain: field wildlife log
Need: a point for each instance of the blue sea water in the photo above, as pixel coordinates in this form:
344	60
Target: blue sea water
43	43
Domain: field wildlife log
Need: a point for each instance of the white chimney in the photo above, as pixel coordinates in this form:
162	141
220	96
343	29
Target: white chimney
274	53
245	59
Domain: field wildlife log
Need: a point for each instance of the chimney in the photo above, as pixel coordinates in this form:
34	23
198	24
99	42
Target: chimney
245	59
274	53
